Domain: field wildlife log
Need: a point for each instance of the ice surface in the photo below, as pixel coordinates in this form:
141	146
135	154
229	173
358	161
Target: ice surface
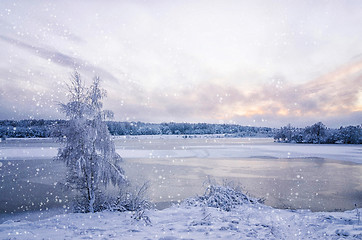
238	148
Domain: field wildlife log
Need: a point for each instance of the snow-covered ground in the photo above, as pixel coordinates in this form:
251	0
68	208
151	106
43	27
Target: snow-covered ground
248	221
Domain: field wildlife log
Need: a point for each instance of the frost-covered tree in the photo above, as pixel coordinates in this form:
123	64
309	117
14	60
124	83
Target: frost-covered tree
88	150
350	135
316	133
285	134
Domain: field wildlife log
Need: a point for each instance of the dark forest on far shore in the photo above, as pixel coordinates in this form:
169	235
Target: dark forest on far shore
317	133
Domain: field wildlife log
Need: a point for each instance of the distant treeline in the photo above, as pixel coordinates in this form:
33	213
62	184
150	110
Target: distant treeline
140	128
319	133
44	128
26	128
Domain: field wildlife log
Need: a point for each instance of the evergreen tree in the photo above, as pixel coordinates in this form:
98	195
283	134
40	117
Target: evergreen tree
88	150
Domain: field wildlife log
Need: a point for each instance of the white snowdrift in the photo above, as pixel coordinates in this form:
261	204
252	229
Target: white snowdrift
249	221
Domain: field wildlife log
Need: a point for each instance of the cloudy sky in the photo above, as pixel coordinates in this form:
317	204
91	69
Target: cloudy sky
261	63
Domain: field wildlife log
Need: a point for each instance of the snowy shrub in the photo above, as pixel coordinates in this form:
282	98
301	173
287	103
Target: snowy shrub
224	197
135	200
80	203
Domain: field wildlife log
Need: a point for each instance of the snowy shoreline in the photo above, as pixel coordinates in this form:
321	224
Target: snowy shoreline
248	221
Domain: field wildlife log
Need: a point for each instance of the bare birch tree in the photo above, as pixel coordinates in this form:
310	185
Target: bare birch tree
87	148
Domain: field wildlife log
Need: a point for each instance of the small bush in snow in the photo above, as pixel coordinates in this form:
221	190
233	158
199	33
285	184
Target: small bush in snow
223	197
131	200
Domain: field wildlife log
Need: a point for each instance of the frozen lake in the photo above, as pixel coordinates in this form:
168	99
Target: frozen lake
317	177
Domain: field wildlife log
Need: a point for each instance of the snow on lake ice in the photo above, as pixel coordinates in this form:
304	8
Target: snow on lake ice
161	147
